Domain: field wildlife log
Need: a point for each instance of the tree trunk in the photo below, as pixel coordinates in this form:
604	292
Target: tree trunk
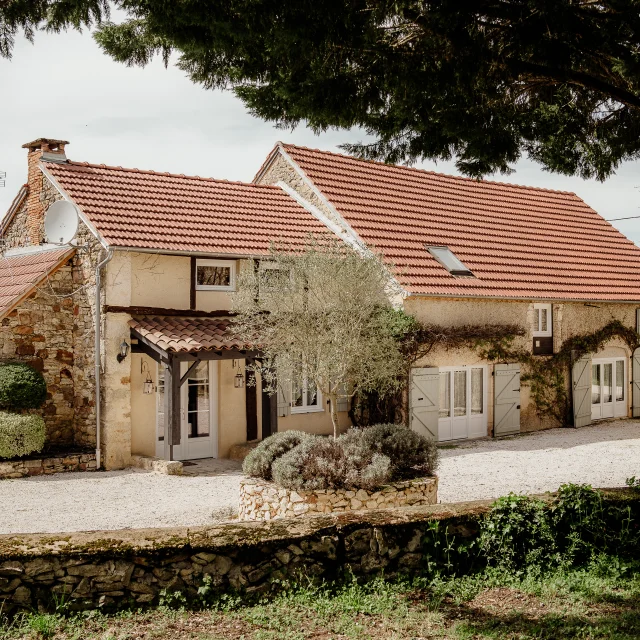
333	403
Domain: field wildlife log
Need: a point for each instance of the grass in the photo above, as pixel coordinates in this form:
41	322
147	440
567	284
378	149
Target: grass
600	601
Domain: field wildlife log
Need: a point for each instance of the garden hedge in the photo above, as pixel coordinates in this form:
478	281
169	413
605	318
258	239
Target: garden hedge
21	387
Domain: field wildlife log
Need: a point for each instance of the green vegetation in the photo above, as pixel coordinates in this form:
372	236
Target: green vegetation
20	434
598	601
360	458
483	82
560	570
21	387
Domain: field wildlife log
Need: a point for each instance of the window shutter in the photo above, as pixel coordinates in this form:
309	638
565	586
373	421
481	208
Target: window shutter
284	400
581	389
424	401
344	404
506	399
635	389
637	320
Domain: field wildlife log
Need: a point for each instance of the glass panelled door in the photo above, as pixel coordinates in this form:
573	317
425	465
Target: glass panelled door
198	413
463	406
608	385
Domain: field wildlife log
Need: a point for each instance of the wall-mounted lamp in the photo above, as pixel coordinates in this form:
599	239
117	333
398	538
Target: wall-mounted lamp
124	351
147	386
238	379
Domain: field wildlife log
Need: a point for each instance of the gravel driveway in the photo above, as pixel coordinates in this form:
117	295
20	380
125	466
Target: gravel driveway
603	456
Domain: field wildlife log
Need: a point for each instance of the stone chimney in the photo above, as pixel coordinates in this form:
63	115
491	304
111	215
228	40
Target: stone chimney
47	150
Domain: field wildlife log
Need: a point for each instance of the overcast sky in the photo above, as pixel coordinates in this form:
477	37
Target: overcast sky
155	118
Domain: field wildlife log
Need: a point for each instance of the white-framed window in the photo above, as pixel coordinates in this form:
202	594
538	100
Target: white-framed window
305	396
215	275
542	320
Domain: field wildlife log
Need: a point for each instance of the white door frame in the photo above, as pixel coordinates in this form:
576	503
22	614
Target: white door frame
470	425
615	408
191	448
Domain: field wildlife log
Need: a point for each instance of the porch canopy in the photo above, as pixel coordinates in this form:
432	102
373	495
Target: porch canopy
172	340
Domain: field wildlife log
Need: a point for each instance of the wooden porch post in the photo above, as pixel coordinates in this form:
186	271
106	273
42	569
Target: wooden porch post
269	413
172	407
251	401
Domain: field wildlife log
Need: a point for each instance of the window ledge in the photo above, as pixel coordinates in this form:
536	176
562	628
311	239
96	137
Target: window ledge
307	409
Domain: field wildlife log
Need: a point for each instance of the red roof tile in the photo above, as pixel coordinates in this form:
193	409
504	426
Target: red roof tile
520	242
178	333
19	274
144	209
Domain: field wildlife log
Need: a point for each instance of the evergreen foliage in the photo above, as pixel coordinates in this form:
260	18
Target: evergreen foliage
21	387
20	434
259	461
359	459
483	82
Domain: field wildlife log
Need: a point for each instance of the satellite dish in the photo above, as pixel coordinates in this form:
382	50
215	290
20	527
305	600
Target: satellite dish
61	222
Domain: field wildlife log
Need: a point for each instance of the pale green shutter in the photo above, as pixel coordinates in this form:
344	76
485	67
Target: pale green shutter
635	389
506	406
581	390
424	401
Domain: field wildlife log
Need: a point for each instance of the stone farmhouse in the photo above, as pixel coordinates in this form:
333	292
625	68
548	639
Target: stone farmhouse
135	311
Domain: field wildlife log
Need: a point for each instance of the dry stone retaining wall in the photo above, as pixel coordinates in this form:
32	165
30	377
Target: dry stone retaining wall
122	568
46	466
261	500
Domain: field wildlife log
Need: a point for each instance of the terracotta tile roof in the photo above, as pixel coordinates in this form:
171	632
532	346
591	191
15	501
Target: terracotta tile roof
520	242
19	274
145	209
179	333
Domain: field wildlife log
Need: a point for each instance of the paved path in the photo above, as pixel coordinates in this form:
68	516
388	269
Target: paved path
603	455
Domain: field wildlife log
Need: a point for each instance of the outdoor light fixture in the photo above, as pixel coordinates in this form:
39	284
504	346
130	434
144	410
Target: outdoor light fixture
238	379
124	351
147	387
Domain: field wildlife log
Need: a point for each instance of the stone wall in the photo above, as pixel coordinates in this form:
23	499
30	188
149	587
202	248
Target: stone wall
120	568
261	500
46	466
17	234
69	325
39	331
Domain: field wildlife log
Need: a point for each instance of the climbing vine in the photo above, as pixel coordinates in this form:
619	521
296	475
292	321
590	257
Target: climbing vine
546	376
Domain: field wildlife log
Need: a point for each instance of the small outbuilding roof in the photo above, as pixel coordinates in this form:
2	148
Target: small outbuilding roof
23	272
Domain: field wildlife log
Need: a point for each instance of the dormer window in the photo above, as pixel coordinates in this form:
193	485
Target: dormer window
449	261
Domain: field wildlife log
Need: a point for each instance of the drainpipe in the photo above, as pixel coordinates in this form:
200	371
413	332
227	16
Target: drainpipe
98	324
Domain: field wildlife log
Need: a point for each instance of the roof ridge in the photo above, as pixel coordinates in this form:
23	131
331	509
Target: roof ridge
166	174
512	185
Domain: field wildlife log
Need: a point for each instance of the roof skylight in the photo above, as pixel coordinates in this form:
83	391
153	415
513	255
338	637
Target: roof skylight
449	261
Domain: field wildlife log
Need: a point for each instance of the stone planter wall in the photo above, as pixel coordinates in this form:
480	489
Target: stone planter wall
43	466
261	500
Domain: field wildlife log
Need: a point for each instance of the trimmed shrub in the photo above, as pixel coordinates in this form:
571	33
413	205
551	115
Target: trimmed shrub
21	387
260	460
411	454
20	434
324	463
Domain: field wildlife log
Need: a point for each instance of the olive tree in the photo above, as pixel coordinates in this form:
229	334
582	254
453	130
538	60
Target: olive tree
321	314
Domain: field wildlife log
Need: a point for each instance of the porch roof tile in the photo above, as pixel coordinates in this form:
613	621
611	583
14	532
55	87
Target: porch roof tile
185	334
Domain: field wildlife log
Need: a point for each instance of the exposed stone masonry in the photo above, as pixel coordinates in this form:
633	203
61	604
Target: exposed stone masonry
63	329
120	568
40	332
261	500
46	466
